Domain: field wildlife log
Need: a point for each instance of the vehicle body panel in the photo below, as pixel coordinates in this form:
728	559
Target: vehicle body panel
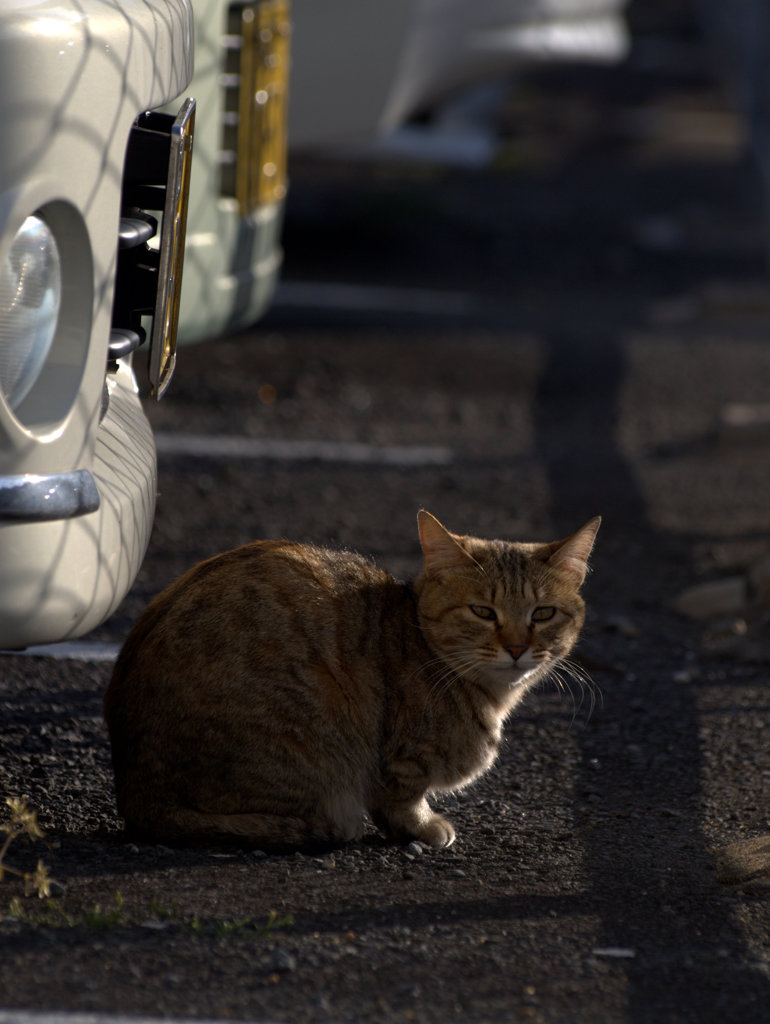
74	75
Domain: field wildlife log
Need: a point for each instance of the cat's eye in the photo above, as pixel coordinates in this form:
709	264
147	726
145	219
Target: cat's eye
543	614
483	612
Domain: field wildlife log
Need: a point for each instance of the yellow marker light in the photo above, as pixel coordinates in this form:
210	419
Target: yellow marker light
265	30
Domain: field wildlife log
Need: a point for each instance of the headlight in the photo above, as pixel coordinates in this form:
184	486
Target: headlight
30	302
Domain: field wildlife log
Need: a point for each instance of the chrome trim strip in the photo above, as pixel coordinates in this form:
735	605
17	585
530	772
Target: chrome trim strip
172	238
33	498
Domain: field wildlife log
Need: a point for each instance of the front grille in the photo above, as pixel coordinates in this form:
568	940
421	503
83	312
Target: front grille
255	84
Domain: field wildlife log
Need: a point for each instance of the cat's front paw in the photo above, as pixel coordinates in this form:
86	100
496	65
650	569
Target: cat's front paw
436	832
414	821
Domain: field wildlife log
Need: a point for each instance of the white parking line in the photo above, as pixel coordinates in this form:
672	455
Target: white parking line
71	650
227	446
65	1017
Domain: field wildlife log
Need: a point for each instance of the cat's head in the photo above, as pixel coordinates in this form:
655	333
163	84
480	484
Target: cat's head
500	611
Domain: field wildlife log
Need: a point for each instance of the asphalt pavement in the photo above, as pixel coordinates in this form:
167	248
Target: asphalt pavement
517	348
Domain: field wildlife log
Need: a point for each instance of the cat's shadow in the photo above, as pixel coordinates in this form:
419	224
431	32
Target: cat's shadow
104	852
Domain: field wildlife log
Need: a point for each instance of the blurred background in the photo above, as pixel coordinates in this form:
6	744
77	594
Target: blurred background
539	296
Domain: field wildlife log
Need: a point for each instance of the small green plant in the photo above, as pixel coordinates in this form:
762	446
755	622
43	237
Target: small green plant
240	926
233	927
162	912
274	921
51	913
109	917
23	822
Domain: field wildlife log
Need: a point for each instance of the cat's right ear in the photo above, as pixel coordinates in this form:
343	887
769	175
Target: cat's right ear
571	555
440	549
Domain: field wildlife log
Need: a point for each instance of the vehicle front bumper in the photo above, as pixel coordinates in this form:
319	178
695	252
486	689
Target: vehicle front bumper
71	544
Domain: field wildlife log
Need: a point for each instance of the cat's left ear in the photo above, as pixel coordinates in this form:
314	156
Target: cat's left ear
440	549
571	555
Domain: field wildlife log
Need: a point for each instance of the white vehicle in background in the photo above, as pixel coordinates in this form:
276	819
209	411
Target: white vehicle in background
362	68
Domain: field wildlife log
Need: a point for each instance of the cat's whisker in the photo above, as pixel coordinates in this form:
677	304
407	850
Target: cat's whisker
426	668
585	680
567	672
456	665
459	665
554	677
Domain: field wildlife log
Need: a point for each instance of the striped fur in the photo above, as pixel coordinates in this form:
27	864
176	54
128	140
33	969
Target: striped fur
277	693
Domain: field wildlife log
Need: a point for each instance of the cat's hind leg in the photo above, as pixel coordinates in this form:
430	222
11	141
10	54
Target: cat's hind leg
268	832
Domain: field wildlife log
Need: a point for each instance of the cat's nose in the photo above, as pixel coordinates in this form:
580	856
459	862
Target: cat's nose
516	650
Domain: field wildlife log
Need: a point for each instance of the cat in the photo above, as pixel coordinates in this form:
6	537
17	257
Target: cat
276	693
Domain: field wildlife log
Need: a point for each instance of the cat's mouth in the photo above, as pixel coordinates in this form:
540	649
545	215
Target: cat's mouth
511	673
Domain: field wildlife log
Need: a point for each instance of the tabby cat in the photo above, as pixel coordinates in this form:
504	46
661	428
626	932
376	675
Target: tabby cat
276	693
